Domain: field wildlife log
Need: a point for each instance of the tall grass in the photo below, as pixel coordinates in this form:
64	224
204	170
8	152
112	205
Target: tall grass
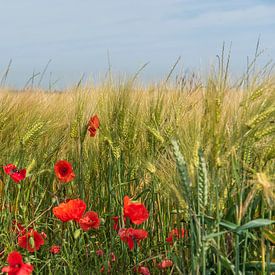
199	155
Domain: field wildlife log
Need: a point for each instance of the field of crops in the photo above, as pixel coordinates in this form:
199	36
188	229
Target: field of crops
126	179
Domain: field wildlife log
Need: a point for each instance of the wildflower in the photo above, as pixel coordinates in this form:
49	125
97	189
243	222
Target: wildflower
143	270
15	174
131	235
16	265
102	269
70	210
175	234
135	211
113	257
64	171
55	249
99	252
165	264
31	240
89	221
44	235
116	225
93	125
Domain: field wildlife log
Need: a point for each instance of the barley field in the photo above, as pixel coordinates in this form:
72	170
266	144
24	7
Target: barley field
168	178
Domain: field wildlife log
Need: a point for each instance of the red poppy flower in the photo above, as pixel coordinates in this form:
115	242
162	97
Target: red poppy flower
16	265
113	257
15	174
116	225
175	234
89	221
55	249
131	235
31	241
64	171
44	235
102	269
70	210
99	252
143	270
93	125
164	264
135	211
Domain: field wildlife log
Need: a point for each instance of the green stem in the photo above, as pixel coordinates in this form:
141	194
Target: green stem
217	185
80	159
192	231
203	246
237	254
245	251
268	251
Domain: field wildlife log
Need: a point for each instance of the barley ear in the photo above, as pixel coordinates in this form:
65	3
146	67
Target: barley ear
32	134
202	183
183	172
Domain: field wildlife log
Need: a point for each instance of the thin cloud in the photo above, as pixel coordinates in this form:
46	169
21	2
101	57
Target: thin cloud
252	16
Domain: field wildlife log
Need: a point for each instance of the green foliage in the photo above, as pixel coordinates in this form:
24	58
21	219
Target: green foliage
216	181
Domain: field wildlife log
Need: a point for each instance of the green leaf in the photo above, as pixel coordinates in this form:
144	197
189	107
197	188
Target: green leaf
254	224
229	225
226	263
214	235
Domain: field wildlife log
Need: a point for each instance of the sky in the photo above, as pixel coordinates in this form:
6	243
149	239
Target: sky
82	37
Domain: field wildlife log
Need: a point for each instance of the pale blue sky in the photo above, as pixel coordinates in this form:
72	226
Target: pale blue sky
77	35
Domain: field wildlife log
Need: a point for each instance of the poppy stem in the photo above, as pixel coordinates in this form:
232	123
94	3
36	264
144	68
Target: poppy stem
136	252
80	159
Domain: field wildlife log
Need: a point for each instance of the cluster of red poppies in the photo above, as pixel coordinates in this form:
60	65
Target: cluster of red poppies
30	240
134	213
137	214
73	210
